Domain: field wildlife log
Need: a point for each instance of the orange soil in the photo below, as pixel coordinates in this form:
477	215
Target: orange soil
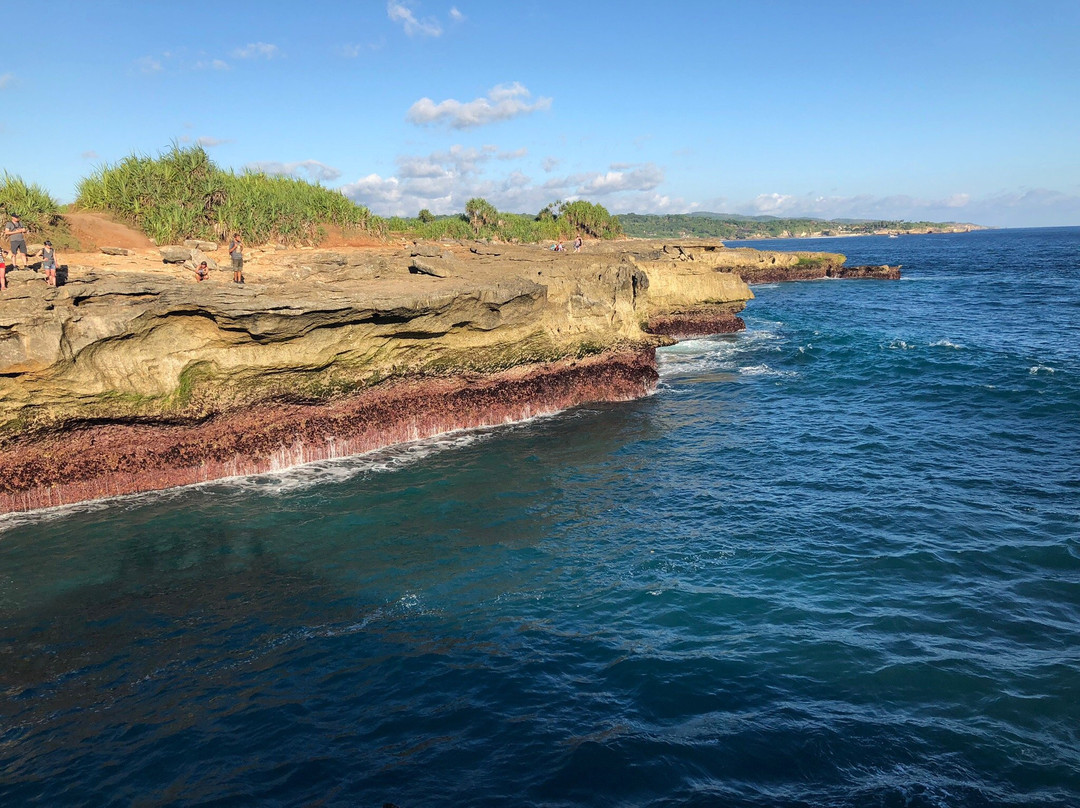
96	230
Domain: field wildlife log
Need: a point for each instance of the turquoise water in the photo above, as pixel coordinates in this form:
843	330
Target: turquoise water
833	561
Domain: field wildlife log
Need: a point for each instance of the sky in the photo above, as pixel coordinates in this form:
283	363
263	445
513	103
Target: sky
942	111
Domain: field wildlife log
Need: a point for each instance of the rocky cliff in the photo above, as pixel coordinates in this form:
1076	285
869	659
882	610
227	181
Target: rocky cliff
138	378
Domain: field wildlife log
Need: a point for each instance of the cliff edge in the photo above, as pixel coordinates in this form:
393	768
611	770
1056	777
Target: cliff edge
131	376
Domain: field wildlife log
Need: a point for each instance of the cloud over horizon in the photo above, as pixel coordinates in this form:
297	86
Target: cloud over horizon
314	170
503	102
443	181
1021	208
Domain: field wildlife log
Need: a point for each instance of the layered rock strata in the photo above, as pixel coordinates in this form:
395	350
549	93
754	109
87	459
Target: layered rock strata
125	381
103	460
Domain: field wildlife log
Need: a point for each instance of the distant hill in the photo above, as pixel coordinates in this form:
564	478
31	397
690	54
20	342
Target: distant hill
703	224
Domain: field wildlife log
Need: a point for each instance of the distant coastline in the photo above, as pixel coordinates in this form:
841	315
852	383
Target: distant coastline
735	227
960	229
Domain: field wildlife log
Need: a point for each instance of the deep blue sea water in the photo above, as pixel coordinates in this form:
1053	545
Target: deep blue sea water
833	561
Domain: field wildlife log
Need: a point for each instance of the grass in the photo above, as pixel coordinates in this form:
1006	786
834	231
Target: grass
37	210
182	194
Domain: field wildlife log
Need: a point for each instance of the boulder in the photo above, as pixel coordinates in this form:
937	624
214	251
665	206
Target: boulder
35	249
426	250
197	257
115	251
175	254
199	244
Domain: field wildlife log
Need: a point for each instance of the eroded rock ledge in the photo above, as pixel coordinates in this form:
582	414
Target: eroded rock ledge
92	462
120	382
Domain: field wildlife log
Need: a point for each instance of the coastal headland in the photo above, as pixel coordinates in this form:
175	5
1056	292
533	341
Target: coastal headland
131	376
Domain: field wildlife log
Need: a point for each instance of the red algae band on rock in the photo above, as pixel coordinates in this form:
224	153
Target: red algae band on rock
115	459
688	325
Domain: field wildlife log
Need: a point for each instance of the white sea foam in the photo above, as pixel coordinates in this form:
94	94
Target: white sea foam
719	354
339	470
283	481
1040	369
899	345
765	370
944	343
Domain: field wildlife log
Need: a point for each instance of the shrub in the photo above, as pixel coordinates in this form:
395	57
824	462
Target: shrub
558	221
37	210
182	194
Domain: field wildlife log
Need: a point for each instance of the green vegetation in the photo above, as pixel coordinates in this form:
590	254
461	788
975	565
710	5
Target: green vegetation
559	221
729	226
38	211
182	194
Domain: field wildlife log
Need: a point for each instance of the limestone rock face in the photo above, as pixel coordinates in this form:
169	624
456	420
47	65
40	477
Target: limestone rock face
151	348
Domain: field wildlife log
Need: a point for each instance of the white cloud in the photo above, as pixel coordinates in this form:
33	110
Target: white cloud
148	64
257	50
209	142
769	204
211	64
314	170
6	79
623	177
651	203
503	102
456	15
1018	208
400	12
444	181
550	164
357	49
90	154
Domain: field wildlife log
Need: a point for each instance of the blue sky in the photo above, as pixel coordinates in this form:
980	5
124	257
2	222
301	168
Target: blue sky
965	111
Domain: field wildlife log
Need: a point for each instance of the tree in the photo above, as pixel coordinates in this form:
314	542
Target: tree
594	220
426	216
481	213
547	214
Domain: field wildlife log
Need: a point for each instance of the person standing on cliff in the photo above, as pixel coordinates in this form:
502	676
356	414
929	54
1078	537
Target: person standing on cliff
236	251
16	231
48	263
577	243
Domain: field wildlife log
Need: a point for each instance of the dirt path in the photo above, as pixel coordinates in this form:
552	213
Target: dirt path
96	230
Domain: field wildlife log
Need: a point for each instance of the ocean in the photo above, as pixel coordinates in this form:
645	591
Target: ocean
833	561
